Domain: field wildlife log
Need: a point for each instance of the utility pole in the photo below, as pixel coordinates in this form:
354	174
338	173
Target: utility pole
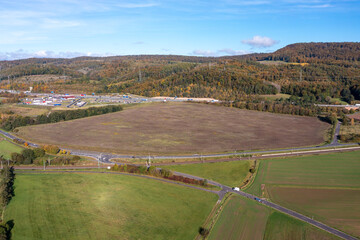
44	165
140	76
99	160
300	74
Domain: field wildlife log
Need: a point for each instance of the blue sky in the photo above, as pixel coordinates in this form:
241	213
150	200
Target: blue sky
69	28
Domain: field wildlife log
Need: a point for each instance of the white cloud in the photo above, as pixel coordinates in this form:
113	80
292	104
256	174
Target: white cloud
261	42
136	5
21	54
205	53
315	6
222	52
233	52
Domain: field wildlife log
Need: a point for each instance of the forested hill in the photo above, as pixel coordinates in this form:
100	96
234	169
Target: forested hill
326	70
313	52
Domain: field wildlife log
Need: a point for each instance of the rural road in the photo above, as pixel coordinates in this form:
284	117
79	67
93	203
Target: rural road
106	157
224	189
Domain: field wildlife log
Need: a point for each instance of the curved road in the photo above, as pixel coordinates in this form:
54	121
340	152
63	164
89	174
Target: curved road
106	157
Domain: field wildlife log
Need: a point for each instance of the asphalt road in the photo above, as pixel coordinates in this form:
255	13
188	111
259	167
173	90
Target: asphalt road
225	189
106	157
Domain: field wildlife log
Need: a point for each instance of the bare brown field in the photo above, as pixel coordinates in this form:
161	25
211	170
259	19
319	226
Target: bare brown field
336	207
175	128
356	116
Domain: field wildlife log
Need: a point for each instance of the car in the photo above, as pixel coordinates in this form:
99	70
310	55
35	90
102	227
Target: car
236	189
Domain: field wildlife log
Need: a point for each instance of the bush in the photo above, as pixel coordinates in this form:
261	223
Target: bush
76	158
17	158
52	149
204	232
166	173
39	152
28	155
115	167
18	141
204	182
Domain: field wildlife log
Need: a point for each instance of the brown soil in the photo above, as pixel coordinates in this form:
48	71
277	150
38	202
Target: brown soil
175	128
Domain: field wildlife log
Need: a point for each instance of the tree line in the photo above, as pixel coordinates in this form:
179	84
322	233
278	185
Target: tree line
12	122
157	172
7	178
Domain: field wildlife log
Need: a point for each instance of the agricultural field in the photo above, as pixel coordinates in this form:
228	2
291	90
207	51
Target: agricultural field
282	227
325	187
349	130
356	116
72	205
180	128
6	148
228	173
245	219
241	218
23	110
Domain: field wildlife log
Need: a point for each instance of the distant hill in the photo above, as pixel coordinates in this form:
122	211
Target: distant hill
313	52
332	69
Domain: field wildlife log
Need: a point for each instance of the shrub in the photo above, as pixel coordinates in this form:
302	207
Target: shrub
52	149
28	155
166	173
204	182
76	158
115	167
17	158
142	169
18	141
39	152
204	232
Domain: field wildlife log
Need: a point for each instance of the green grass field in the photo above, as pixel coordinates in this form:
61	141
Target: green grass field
245	219
101	206
241	218
282	227
6	148
228	173
326	187
276	96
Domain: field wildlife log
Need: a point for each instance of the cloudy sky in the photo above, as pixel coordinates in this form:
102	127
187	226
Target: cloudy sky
70	28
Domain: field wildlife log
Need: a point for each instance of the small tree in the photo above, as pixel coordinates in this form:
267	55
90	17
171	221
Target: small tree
204	232
52	149
39	152
204	182
17	158
28	155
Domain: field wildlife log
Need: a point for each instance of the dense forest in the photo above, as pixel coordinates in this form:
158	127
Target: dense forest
314	71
